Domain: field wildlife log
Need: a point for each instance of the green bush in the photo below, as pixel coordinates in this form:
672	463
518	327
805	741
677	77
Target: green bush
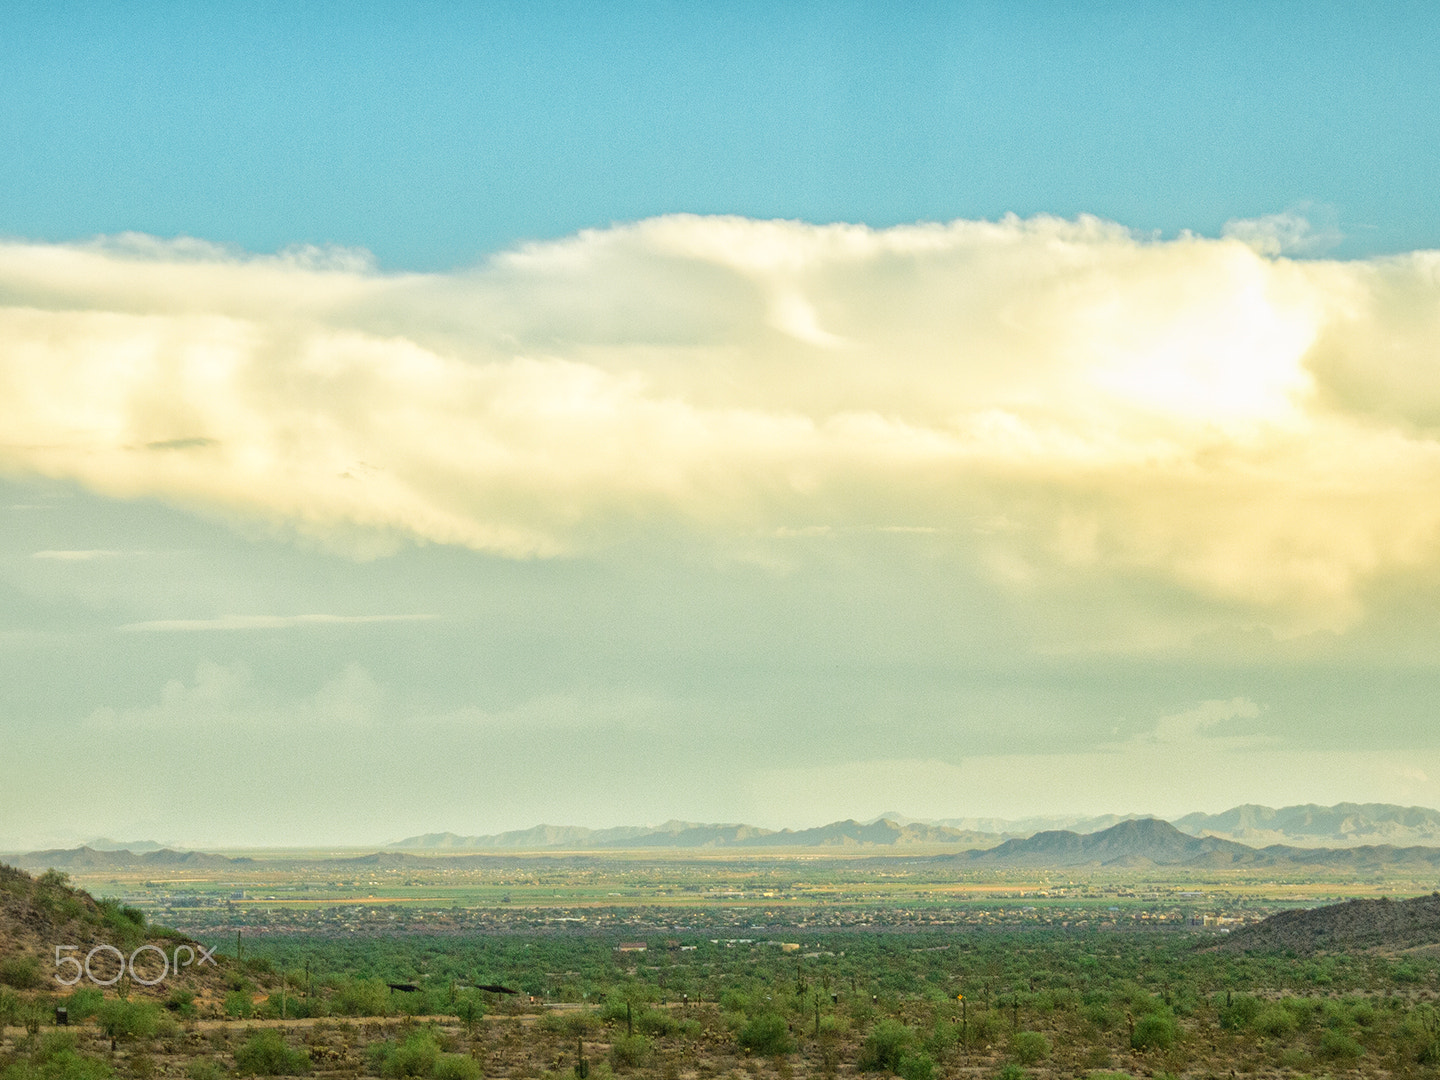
572	1024
455	1067
629	1051
203	1068
1275	1021
1102	1016
55	1058
768	1035
1155	1031
84	1003
916	1065
1240	1013
127	922
181	1002
470	1008
415	1056
1011	1071
239	1004
265	1053
128	1019
884	1046
984	1029
21	972
1338	1046
1028	1047
362	997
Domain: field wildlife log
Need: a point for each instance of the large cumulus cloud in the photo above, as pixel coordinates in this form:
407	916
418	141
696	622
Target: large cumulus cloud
1053	400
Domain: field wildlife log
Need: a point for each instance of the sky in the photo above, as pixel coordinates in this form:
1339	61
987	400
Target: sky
456	417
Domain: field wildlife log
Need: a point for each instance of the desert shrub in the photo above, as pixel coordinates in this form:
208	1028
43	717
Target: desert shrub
1337	1046
656	1022
731	1000
128	1019
628	1051
203	1068
572	1024
470	1008
181	1002
265	1053
1011	1071
84	1003
51	1045
1240	1013
55	1058
21	972
1155	1031
1275	1021
985	1028
239	1004
1102	1015
1028	1047
455	1067
942	1037
142	1066
916	1065
414	1056
127	922
766	1034
884	1046
362	997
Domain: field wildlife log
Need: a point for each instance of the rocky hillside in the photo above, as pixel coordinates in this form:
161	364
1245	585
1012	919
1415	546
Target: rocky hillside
1356	924
37	914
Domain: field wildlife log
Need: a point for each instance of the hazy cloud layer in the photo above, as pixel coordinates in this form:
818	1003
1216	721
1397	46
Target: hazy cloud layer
1052	401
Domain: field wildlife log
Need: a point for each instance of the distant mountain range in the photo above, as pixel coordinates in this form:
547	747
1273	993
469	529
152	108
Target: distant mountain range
1138	842
1340	826
89	858
1353	835
688	834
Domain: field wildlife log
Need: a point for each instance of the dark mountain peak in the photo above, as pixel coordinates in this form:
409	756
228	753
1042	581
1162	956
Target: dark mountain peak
1355	924
1134	842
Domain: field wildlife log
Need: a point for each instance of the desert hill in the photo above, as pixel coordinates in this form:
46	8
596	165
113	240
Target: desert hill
39	913
1152	842
1355	924
1141	842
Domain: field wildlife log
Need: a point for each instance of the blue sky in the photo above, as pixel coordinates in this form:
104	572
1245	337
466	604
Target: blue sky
435	134
422	417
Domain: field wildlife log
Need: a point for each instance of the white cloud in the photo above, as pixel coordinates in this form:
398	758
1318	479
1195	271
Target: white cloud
225	698
78	555
1248	429
1304	230
1193	725
267	622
